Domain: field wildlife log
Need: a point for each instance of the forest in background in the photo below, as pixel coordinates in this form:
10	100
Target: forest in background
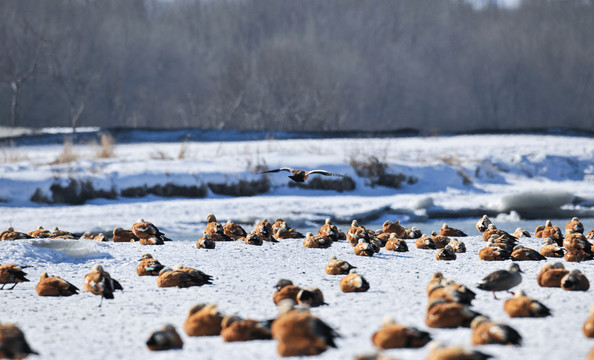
286	65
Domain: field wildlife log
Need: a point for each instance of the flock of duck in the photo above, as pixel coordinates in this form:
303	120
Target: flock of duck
296	329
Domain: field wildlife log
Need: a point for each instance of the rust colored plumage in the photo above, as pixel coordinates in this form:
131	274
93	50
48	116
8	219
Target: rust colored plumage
329	231
40	233
285	290
165	339
338	267
264	230
206	242
523	306
203	320
353	282
390	227
522	253
485	331
447	253
364	248
148	232
253	239
440	241
456	353
11	234
122	235
246	330
233	230
493	253
12	274
551	249
450	231
299	333
425	242
182	277
54	286
99	282
285	233
443	314
396	244
149	266
13	344
520	233
588	327
314	241
551	274
575	281
483	223
393	335
575	225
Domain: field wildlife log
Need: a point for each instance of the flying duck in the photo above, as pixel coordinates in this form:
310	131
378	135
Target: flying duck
301	175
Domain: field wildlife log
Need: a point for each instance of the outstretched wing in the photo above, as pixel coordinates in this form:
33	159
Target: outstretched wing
277	170
324	172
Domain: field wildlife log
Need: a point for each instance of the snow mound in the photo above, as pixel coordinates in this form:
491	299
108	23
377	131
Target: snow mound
51	251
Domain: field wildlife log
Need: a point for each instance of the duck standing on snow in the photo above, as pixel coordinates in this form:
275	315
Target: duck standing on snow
165	339
501	280
301	175
12	274
99	282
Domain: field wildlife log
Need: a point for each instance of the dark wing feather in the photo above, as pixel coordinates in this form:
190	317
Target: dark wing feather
276	170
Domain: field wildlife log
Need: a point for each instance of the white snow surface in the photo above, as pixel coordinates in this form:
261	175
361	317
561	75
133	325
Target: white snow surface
507	172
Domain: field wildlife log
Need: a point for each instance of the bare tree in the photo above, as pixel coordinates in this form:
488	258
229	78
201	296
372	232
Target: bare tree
20	45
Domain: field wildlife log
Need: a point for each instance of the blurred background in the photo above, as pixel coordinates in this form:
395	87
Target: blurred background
283	65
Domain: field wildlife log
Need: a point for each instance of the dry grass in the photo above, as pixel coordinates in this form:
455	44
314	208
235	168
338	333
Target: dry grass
183	150
105	151
10	154
67	155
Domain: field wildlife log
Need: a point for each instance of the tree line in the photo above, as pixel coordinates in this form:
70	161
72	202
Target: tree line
308	65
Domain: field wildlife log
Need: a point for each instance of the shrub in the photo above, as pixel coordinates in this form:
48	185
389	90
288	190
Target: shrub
241	188
344	184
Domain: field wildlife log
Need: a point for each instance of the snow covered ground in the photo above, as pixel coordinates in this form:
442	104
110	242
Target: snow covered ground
509	174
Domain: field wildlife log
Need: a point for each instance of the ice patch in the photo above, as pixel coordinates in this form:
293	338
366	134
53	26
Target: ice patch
534	200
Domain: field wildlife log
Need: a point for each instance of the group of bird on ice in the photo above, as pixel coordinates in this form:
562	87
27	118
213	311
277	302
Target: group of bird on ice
297	330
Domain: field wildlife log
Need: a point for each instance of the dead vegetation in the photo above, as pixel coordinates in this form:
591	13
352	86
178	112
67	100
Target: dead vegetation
67	155
10	153
376	172
106	148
